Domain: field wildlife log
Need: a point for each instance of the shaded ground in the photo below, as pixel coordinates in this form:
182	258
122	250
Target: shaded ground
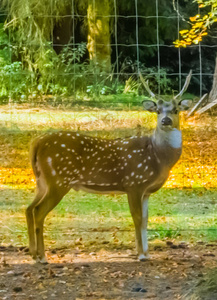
173	272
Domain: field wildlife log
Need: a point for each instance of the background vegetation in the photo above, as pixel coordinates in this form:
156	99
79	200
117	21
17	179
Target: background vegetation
52	52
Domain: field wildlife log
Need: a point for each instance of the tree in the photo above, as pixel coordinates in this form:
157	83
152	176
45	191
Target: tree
200	24
33	28
98	18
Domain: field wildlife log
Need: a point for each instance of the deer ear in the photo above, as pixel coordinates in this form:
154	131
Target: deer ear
149	105
185	104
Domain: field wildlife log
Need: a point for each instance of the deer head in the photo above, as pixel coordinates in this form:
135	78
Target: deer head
168	111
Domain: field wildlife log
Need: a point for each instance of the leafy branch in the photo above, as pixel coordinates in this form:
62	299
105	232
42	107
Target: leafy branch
199	25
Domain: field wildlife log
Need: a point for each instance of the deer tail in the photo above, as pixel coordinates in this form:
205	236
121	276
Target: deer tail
33	156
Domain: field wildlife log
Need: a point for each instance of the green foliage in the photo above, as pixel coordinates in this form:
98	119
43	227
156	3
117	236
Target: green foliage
158	78
55	74
131	86
200	23
62	73
31	26
15	82
5	53
32	69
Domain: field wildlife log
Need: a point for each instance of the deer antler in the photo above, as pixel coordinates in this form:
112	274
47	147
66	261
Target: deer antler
185	86
197	105
145	83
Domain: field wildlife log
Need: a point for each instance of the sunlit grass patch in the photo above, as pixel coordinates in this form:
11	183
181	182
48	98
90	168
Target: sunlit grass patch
196	168
17	177
191	178
81	218
74	120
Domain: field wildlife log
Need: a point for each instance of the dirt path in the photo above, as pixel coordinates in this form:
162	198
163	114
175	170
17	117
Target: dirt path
170	274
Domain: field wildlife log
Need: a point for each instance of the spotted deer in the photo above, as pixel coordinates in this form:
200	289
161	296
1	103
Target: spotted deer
136	166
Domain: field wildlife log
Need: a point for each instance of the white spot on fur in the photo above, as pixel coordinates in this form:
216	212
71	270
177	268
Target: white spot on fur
49	160
53	172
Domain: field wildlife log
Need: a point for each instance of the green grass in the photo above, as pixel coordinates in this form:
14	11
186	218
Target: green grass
100	221
35	119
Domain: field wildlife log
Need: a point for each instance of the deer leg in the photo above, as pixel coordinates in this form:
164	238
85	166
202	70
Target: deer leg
47	203
31	224
144	232
139	210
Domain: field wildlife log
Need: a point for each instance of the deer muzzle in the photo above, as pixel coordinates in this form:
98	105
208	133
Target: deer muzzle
166	121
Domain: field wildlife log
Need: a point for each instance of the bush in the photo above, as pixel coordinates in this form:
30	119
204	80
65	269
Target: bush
15	82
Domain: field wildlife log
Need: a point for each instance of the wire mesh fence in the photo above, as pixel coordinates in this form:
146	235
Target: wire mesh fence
137	39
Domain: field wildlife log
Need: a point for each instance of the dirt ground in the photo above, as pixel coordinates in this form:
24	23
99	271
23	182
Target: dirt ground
175	271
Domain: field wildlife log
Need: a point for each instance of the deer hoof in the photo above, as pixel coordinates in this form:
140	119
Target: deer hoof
42	260
143	257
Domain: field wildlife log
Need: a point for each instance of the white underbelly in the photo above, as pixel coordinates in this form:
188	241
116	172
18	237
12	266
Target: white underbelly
94	190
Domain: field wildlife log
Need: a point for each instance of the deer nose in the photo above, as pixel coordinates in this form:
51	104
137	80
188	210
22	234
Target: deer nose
166	121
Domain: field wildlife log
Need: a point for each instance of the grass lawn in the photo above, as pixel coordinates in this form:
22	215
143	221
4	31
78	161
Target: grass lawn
185	209
183	214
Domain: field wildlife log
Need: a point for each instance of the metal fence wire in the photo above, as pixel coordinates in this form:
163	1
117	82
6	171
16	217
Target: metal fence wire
130	52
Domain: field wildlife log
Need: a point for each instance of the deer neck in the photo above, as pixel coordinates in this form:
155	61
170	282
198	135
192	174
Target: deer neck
167	145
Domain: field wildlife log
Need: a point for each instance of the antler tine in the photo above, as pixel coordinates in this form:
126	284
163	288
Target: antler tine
145	83
185	86
197	105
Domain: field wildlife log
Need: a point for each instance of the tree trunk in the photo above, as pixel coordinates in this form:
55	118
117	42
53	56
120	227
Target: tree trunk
99	34
213	93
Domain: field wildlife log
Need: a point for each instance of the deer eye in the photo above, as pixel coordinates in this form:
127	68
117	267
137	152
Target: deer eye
175	111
